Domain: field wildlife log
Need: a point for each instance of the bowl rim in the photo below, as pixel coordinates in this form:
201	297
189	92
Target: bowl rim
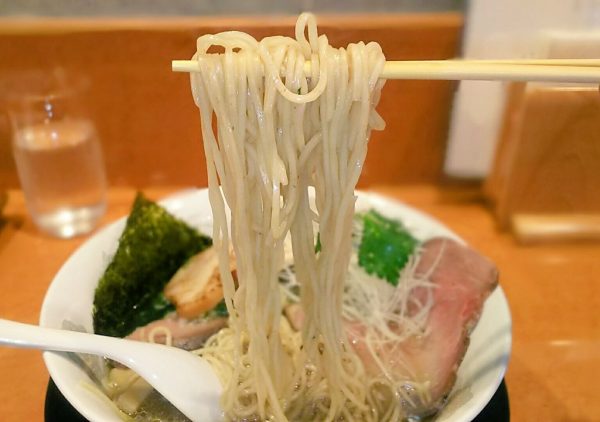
179	201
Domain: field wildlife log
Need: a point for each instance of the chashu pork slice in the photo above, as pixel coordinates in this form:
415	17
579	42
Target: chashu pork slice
184	334
462	280
196	287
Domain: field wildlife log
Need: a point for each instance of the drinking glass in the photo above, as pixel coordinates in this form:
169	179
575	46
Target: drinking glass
57	152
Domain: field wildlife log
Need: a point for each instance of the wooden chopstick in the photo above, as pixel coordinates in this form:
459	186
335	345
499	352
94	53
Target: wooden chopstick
552	70
539	62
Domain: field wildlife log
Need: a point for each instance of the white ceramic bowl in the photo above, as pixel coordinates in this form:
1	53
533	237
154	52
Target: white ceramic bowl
70	297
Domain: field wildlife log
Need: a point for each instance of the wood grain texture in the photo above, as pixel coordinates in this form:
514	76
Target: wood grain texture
145	115
548	160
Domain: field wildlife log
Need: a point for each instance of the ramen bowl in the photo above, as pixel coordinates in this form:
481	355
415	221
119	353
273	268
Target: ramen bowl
70	296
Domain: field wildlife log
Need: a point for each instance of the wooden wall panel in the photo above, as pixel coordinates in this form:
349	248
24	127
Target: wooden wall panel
147	121
545	182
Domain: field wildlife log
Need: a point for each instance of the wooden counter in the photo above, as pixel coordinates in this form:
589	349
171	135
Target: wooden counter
553	291
144	113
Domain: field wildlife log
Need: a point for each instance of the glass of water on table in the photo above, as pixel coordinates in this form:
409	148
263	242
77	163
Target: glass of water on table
57	153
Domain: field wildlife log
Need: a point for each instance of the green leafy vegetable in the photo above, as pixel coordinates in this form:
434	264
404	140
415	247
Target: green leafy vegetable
219	311
158	306
151	249
385	246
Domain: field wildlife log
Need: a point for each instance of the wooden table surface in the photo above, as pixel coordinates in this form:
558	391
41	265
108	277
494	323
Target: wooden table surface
553	291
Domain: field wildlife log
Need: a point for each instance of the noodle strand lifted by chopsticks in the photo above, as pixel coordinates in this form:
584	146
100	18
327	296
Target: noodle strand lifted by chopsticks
276	137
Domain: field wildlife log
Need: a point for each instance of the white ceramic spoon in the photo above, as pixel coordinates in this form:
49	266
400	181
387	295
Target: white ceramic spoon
183	378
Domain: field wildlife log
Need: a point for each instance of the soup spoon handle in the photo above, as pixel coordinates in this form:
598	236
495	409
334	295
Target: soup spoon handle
183	378
17	334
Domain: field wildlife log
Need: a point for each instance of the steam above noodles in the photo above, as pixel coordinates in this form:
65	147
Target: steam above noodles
278	133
